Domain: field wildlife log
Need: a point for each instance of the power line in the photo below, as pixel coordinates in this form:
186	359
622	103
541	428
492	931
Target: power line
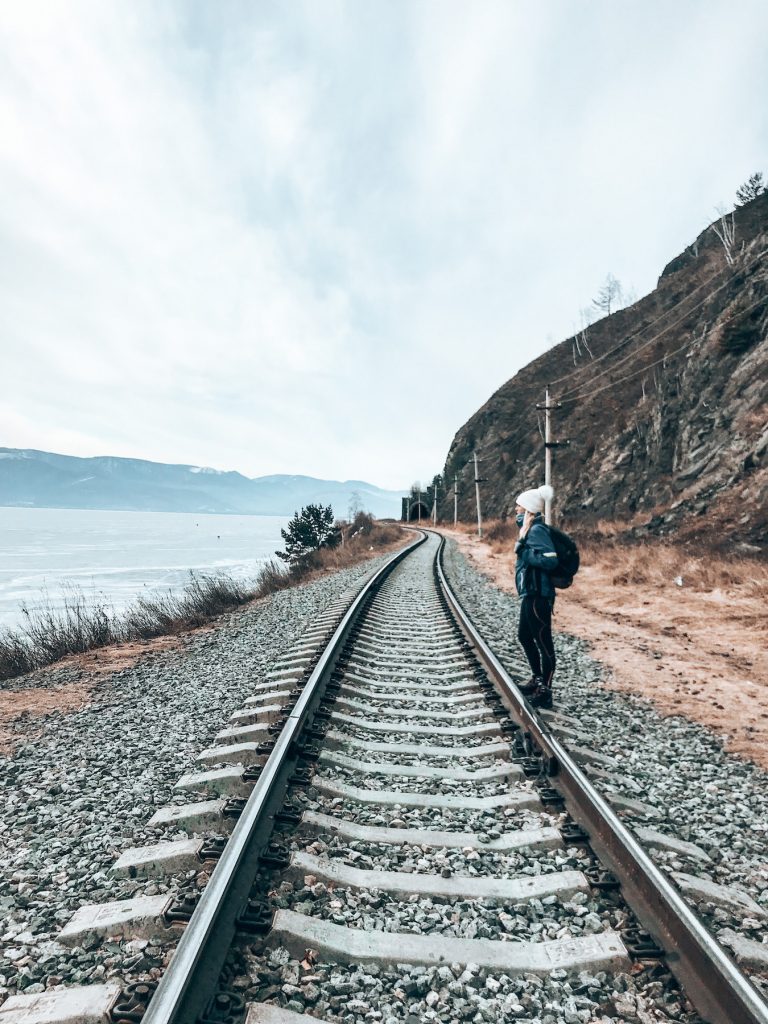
650	340
645	327
625	341
648	366
510	440
582	395
629	376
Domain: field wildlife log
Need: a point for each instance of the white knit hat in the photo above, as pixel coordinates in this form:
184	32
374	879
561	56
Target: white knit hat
533	501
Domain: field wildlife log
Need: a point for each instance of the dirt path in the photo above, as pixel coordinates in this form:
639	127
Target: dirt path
22	704
50	693
702	654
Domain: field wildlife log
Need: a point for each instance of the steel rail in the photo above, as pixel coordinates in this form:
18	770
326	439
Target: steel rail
191	978
714	984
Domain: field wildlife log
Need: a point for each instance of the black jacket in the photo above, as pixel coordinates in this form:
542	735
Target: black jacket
536	559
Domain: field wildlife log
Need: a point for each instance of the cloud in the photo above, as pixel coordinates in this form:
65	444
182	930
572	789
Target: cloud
316	237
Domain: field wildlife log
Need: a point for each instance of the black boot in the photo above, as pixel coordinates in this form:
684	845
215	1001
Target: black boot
531	686
542	697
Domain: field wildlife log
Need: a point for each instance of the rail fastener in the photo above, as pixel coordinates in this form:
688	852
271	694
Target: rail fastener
226	1007
212	848
131	1003
181	910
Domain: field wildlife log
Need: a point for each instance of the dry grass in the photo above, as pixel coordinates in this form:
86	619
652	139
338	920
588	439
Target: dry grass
501	534
202	599
661	564
49	634
363	538
653	563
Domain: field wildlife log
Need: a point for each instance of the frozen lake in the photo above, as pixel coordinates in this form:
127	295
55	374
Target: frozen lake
115	556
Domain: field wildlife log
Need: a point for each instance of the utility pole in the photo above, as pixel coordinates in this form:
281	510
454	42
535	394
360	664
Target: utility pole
455	498
434	508
418	507
477	499
549	444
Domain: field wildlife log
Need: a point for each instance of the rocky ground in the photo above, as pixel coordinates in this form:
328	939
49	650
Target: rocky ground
690	633
702	794
408	994
78	784
402	992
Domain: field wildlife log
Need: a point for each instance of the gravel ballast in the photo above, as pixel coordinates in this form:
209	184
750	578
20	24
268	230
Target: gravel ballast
84	789
703	795
434	893
79	788
407	994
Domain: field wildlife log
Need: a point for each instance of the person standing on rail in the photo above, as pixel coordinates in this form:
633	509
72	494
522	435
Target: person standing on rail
536	560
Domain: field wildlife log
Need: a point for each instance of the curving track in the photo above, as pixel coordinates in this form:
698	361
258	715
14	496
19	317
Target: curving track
423	855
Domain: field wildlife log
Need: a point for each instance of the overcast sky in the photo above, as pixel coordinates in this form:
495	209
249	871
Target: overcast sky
315	237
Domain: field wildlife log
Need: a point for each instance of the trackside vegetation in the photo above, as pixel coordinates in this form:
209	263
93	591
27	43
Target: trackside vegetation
77	624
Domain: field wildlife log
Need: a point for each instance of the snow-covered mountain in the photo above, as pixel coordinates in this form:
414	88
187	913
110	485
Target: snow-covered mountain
45	480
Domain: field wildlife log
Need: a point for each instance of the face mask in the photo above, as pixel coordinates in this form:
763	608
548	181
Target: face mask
520	519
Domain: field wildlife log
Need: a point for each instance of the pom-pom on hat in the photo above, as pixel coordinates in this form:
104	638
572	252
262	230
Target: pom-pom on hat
533	501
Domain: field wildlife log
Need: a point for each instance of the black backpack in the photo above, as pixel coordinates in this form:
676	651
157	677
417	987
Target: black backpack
567	558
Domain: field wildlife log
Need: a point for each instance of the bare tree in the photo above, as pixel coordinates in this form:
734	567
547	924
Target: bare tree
355	505
725	229
579	341
609	295
753	187
587	316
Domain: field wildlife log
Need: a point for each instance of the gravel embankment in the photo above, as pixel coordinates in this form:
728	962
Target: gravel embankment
79	788
452	992
703	795
322	886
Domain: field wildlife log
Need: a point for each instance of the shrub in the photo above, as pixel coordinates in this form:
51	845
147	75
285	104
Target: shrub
501	530
202	599
753	187
16	657
309	530
75	627
362	523
270	578
49	633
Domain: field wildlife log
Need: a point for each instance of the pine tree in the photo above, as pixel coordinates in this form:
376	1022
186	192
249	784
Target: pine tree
309	530
753	187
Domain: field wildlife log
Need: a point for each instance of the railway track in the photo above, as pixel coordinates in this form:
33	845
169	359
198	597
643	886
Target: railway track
397	836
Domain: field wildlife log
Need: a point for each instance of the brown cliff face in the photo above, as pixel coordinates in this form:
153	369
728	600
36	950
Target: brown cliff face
665	405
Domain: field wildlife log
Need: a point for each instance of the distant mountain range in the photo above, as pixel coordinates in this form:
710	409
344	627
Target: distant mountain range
35	479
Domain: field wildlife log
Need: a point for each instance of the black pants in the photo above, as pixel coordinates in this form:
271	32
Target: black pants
535	635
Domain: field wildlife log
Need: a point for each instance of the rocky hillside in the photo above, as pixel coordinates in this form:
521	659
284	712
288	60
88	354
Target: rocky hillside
665	405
